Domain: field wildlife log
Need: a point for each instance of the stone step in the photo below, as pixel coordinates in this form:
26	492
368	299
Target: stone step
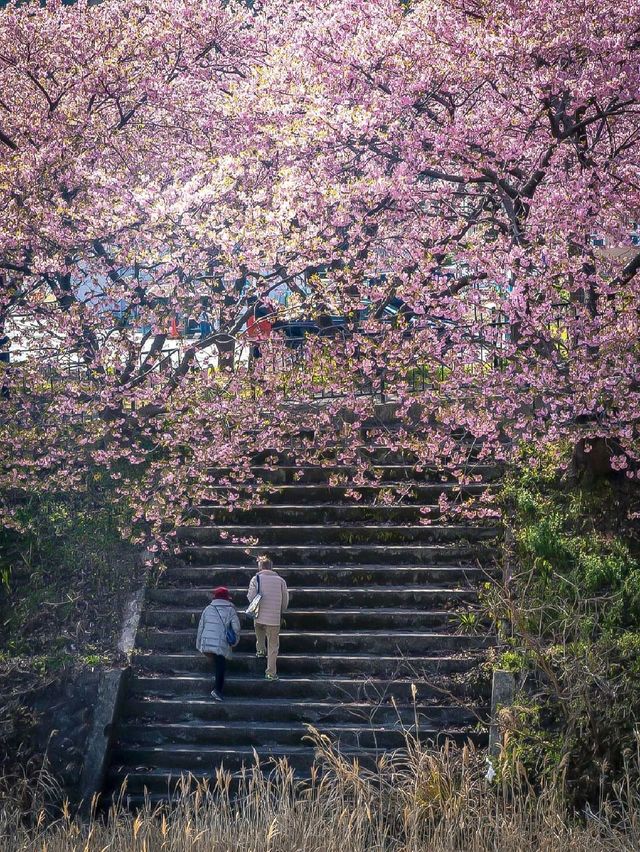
326	534
160	769
134	786
157	785
318	619
267	514
330	665
359	554
207	759
371	452
323	689
329	597
185	575
160	781
372	641
408	493
345	474
134	741
154	787
196	710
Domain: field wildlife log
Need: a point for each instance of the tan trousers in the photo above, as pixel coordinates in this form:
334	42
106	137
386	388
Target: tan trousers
268	642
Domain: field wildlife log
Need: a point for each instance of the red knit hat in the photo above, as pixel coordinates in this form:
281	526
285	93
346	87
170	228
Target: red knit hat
222	592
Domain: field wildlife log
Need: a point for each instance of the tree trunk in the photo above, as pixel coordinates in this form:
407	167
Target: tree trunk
226	345
588	466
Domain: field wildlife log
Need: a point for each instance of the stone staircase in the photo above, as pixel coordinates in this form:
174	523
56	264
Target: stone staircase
376	598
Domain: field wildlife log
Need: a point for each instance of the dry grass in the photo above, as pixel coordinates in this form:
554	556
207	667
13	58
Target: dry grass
417	799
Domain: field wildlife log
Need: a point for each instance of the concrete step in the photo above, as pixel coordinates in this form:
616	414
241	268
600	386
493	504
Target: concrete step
345	474
319	619
157	785
133	741
408	493
160	769
326	534
185	575
359	554
330	665
207	759
377	691
372	641
325	513
329	597
195	710
134	785
375	453
160	782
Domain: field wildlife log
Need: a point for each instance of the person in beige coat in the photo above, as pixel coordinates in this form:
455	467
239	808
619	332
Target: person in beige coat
274	601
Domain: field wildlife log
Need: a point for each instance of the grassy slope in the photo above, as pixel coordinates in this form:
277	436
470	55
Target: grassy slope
569	612
64	582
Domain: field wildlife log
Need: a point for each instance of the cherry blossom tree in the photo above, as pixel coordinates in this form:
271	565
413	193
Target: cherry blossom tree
458	182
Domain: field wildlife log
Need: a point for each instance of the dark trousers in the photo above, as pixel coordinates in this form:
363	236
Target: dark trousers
220	663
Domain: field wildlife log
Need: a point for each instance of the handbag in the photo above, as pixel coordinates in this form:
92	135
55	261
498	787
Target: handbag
254	607
229	633
231	636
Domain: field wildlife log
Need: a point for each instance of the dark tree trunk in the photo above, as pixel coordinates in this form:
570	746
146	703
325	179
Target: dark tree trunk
596	463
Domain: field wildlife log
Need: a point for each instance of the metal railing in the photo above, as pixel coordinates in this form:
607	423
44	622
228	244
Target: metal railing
305	362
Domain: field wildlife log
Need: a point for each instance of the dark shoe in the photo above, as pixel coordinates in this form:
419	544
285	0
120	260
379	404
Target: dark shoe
216	695
260	654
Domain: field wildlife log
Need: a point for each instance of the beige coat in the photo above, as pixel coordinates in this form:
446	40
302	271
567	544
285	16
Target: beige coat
275	597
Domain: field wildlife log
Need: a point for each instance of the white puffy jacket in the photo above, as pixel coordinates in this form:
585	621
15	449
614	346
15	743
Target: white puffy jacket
215	619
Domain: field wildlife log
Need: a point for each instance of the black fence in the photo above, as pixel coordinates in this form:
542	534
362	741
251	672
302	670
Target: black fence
301	355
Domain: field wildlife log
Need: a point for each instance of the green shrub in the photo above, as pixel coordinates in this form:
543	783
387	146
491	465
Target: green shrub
67	569
573	612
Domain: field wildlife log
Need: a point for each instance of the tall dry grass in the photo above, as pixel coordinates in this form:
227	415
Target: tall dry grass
416	799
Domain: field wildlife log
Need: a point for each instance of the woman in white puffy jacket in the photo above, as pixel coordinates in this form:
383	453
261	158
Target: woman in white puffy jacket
212	639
